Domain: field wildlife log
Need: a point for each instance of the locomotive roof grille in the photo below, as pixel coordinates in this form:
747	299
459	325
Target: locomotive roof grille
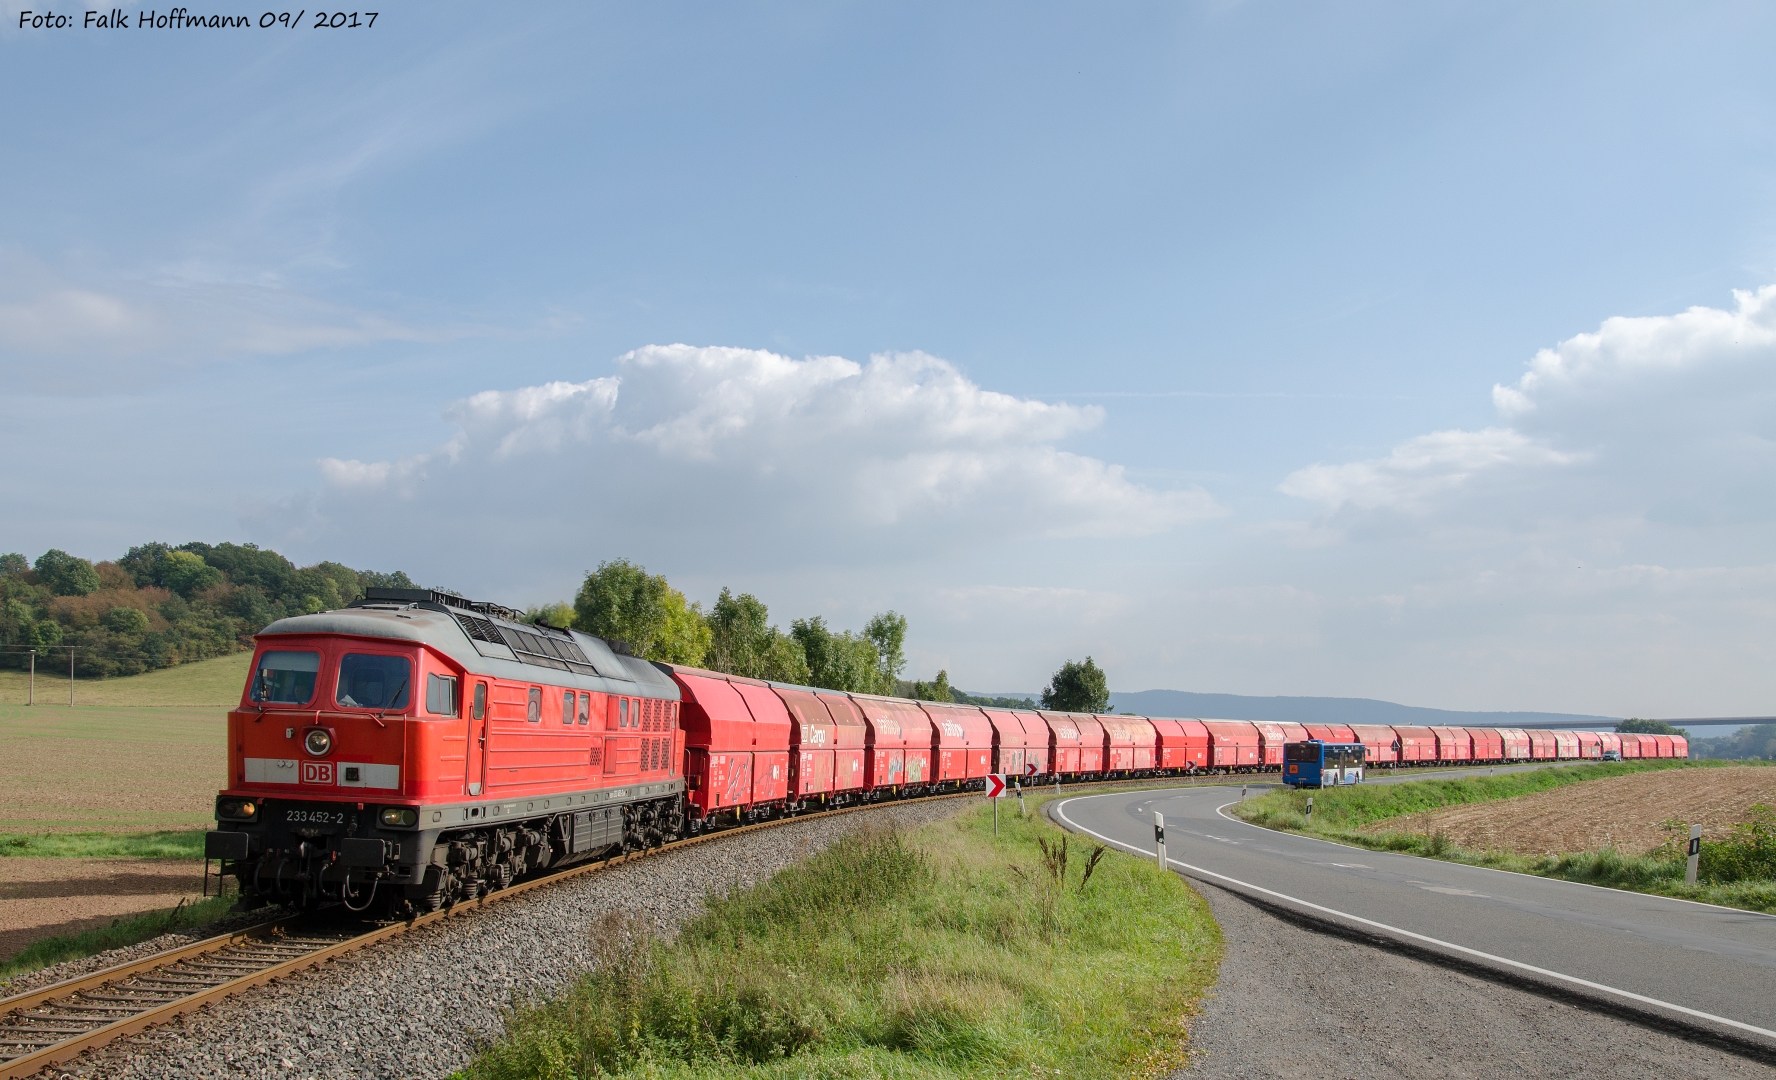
442	599
538	644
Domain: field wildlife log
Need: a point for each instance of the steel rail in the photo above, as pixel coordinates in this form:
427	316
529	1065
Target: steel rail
100	995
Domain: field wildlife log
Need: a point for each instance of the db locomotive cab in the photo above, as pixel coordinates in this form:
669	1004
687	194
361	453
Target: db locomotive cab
319	807
417	749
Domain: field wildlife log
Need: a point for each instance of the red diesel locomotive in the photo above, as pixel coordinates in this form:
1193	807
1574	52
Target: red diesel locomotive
417	749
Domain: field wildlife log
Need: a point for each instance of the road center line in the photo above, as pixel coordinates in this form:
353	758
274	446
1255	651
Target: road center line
1061	812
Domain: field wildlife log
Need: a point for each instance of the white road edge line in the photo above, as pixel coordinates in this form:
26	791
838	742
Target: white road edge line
1060	811
1221	812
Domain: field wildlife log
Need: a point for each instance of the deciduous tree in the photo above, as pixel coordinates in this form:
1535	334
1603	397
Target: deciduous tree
1078	687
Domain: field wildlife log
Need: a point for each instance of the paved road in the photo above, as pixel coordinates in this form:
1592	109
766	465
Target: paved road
1716	961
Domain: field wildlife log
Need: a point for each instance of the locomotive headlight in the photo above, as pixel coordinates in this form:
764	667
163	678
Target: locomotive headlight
400	815
318	742
237	809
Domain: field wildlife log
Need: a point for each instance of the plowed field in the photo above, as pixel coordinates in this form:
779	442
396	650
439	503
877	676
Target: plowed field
1623	812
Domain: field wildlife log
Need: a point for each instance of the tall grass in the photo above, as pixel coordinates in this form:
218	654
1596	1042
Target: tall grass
939	953
1737	872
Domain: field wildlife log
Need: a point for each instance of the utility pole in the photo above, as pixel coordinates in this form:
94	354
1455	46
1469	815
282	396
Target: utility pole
32	700
70	676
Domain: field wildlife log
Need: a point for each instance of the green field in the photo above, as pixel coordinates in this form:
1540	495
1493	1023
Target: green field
945	952
215	682
97	769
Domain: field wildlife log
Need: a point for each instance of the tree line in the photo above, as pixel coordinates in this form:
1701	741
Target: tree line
161	605
622	601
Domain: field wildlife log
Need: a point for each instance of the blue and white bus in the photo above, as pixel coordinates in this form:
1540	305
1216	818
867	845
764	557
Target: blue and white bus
1322	764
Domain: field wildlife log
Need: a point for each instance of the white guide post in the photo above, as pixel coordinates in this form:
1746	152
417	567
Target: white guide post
1159	837
1695	855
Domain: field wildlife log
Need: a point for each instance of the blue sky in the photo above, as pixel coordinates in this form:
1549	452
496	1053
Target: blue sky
1201	330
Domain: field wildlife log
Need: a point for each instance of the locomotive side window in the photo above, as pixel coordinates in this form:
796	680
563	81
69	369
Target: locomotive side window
441	695
367	681
623	712
534	710
480	701
286	677
567	707
585	708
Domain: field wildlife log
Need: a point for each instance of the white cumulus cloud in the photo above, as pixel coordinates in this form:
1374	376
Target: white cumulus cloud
759	454
1650	416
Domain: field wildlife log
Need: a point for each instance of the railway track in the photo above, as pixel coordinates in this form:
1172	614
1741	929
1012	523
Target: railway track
53	1024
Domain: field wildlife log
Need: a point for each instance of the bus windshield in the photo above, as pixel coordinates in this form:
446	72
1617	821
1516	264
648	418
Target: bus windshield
1301	751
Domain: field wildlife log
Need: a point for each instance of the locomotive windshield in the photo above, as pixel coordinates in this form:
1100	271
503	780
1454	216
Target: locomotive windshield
285	677
374	682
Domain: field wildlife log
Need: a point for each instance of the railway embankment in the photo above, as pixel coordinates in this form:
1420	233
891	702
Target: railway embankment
424	1003
1620	824
944	951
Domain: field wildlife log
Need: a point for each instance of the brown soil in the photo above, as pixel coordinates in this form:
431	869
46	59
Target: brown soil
42	898
1623	812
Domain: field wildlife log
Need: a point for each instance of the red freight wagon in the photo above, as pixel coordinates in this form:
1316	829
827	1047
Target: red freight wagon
811	738
1664	744
1416	743
771	734
1489	743
1233	744
1293	732
720	733
1453	744
1131	740
849	737
1516	743
1610	741
897	741
884	742
1270	743
1183	744
1063	743
1566	745
1380	745
1330	733
962	742
1541	745
1630	747
1091	743
1037	736
1680	746
1009	742
1590	745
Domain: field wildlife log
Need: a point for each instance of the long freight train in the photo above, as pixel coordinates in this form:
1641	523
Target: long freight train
417	749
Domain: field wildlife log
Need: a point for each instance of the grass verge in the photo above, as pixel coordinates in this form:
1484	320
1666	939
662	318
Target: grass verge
943	952
180	844
129	930
1739	872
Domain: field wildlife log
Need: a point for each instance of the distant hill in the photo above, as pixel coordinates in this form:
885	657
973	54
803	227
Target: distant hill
1332	710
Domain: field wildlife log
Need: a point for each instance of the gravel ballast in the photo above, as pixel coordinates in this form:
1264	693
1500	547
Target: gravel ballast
1294	1003
419	1004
